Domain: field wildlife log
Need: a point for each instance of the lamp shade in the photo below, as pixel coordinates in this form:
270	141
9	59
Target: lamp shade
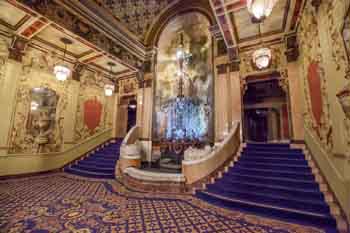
260	9
109	89
62	72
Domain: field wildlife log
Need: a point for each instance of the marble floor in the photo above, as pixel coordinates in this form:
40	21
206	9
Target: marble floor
59	202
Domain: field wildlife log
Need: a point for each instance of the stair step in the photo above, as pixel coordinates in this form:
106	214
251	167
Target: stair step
94	168
268	145
284	167
296	216
273	154
271	199
101	159
97	164
270	181
272	173
273	160
307	194
89	174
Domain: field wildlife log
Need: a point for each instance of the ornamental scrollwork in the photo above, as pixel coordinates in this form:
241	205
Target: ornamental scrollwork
309	41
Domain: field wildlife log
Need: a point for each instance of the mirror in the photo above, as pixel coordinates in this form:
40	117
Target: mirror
42	115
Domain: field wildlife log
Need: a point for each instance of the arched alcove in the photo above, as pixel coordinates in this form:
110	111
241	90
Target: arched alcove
183	93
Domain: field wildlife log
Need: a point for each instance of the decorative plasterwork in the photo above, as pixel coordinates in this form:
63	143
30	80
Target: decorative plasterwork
239	31
309	41
74	23
278	61
21	141
92	88
4	44
139	15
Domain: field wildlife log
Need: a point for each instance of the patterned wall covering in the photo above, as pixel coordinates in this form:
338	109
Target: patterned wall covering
137	15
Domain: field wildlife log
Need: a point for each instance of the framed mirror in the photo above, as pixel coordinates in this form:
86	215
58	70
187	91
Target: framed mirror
42	116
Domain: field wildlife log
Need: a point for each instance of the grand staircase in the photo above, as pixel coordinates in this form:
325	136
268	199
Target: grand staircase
99	164
275	181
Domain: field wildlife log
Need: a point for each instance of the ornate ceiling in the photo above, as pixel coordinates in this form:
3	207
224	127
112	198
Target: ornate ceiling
116	30
41	33
240	32
137	15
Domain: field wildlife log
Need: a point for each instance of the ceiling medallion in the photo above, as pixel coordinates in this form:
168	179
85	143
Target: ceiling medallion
61	70
262	58
260	9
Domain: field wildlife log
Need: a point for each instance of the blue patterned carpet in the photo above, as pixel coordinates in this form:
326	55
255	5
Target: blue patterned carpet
65	203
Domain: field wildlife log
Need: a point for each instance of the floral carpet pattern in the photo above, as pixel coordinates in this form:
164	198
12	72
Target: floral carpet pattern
65	203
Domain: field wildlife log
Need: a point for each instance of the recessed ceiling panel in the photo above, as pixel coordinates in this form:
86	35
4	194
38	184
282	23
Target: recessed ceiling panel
52	36
10	15
103	63
245	29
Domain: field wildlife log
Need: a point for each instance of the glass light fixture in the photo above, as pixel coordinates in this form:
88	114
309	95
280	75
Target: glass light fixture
262	58
260	9
109	89
34	106
61	71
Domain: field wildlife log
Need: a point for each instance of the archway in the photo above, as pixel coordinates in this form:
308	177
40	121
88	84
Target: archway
183	93
266	116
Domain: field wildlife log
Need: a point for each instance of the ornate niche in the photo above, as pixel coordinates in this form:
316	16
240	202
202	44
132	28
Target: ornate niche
42	117
38	126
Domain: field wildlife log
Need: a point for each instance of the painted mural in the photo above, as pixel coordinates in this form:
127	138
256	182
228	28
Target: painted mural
184	81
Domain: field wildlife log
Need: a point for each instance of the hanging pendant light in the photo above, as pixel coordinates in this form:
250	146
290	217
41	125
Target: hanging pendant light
260	9
109	89
262	56
62	71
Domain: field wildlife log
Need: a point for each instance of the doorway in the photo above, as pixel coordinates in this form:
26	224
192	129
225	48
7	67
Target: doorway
132	114
265	116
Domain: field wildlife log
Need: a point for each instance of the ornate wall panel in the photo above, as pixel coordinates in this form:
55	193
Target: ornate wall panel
317	117
91	93
22	140
137	15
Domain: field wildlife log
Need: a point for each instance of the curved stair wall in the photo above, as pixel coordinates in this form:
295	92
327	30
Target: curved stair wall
19	164
338	184
198	170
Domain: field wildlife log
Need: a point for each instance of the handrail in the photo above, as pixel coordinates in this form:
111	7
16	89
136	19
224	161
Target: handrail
64	151
132	136
196	170
15	164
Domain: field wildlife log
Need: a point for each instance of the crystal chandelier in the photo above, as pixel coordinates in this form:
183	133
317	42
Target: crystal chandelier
262	58
61	71
260	9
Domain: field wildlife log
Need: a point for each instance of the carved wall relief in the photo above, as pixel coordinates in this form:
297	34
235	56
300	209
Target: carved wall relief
94	113
317	117
43	131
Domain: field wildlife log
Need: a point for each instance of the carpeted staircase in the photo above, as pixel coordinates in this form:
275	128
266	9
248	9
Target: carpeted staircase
272	180
100	164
